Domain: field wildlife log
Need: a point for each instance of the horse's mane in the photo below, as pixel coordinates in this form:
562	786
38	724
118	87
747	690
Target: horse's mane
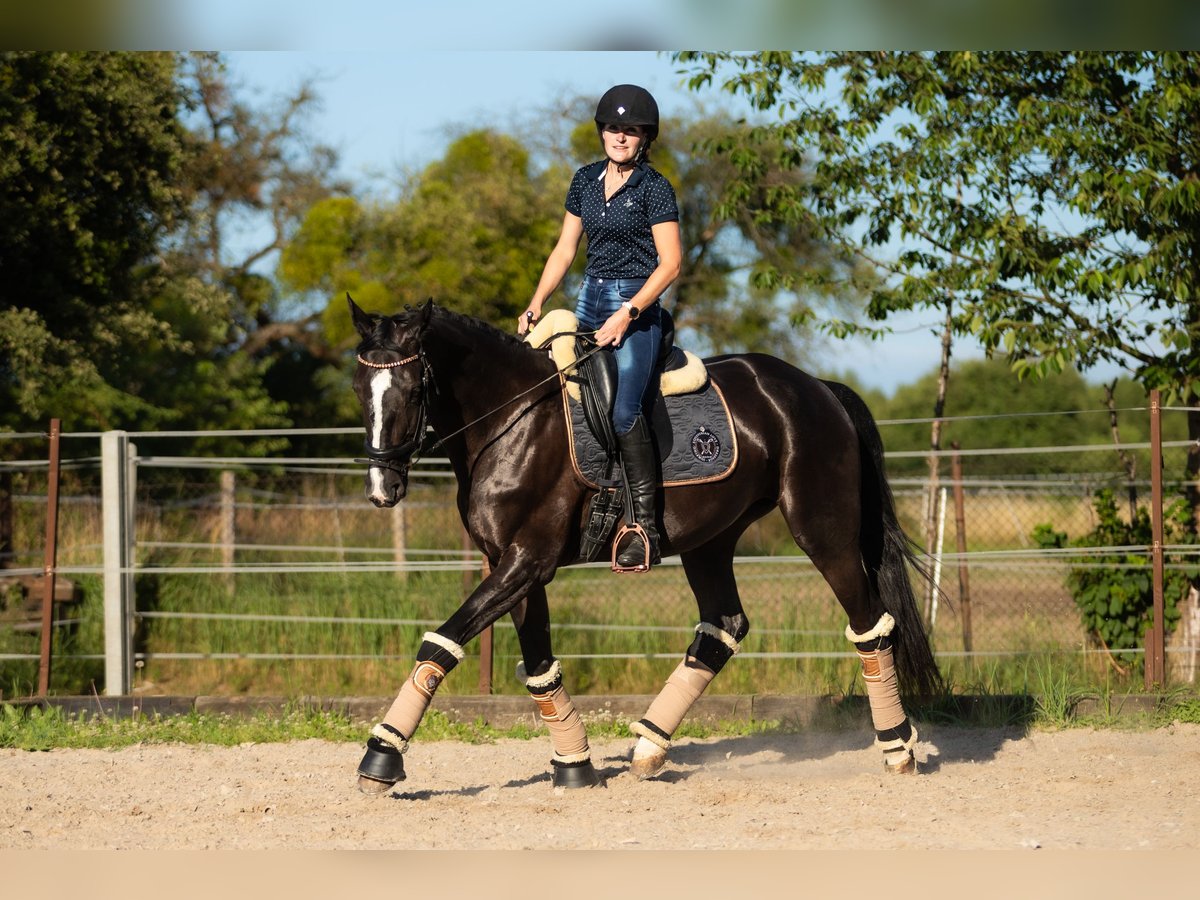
454	320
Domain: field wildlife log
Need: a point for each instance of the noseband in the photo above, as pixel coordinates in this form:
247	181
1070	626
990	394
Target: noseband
401	457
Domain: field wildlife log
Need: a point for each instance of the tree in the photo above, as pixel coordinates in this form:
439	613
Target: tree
90	159
472	231
123	305
1050	201
253	174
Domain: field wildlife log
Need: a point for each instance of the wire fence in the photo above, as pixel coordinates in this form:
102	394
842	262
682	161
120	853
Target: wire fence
275	574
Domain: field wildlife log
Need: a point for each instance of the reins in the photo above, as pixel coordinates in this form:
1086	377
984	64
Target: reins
386	457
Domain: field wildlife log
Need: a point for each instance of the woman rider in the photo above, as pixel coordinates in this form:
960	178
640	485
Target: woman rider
629	214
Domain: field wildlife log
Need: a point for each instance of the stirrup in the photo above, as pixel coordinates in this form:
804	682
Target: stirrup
638	531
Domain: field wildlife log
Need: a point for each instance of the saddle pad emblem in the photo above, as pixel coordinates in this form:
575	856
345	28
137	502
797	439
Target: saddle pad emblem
706	446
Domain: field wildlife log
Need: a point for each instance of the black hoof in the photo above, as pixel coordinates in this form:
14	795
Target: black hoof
382	763
574	775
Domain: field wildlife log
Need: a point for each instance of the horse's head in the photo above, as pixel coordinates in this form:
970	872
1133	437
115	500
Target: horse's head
391	382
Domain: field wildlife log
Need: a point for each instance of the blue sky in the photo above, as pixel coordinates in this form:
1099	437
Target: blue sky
388	111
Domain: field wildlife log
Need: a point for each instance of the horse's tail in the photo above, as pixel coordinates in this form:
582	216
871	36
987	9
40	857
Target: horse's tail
889	555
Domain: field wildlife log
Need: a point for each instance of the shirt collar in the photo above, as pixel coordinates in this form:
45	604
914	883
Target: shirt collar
634	177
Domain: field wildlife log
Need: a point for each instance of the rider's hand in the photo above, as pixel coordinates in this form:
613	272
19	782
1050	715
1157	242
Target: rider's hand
613	330
526	319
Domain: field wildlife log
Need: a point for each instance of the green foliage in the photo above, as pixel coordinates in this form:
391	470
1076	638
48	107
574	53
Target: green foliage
89	183
118	310
472	231
1113	590
1050	196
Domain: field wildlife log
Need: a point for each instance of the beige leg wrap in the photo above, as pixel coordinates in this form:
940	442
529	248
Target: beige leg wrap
879	672
410	704
409	707
682	689
883	693
567	734
887	712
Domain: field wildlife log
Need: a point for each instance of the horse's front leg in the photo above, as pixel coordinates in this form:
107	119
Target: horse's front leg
512	577
542	676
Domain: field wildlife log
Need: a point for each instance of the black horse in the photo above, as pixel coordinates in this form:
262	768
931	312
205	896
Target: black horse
808	446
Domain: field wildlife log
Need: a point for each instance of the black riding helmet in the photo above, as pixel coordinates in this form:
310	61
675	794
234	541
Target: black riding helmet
628	104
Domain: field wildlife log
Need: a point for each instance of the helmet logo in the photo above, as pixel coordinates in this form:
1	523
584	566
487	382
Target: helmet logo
620	110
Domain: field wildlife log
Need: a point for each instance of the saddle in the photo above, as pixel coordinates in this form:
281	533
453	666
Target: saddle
692	430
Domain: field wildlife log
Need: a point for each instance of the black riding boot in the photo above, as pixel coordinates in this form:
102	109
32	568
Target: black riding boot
637	454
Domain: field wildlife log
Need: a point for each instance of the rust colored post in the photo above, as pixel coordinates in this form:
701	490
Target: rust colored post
960	527
485	637
51	559
486	657
1155	637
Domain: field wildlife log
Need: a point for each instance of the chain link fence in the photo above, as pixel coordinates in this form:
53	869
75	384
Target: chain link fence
277	576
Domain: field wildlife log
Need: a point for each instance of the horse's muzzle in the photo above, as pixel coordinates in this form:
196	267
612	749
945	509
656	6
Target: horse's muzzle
386	486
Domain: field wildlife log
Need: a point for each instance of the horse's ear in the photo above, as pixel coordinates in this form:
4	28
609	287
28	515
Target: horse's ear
425	314
362	322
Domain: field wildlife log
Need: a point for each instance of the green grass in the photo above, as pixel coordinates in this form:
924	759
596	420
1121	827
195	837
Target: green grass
50	728
34	728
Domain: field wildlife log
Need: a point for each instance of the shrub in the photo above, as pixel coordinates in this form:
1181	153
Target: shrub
1114	590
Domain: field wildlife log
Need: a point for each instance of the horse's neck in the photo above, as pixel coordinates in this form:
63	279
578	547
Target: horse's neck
477	375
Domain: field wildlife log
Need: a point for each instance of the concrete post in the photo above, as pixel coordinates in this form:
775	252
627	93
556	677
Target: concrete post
118	579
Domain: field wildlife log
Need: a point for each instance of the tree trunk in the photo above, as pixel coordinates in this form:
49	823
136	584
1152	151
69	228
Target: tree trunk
1192	399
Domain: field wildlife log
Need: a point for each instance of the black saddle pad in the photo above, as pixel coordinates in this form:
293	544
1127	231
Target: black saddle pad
692	432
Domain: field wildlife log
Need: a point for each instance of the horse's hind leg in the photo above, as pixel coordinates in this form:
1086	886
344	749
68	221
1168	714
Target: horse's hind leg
836	555
541	674
722	626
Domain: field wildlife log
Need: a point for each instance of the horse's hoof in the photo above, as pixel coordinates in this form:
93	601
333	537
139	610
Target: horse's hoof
648	759
373	788
575	775
381	767
908	767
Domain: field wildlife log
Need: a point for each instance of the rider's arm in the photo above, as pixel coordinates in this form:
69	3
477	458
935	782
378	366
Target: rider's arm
556	267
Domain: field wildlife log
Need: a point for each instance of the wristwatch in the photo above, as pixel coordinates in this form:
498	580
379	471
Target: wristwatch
633	311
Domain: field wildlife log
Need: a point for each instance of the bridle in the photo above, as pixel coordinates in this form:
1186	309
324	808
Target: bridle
401	457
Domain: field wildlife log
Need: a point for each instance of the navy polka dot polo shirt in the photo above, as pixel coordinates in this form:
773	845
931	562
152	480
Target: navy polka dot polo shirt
620	244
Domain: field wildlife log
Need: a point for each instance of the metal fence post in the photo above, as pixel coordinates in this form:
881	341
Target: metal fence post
960	526
51	561
118	580
1155	668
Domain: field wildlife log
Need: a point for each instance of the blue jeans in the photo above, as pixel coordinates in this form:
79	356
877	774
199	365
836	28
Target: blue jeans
637	353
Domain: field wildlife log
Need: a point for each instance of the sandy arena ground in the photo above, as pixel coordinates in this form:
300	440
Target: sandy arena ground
979	789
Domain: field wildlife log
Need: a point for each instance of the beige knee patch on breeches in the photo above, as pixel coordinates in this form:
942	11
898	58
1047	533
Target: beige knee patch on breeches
567	734
683	688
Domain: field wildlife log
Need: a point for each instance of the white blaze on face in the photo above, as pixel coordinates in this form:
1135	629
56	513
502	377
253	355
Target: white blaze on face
380	382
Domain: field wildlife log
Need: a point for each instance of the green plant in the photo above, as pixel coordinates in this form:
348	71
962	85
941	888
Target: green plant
1113	590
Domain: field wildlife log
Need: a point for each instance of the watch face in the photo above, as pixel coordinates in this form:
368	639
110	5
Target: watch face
634	312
